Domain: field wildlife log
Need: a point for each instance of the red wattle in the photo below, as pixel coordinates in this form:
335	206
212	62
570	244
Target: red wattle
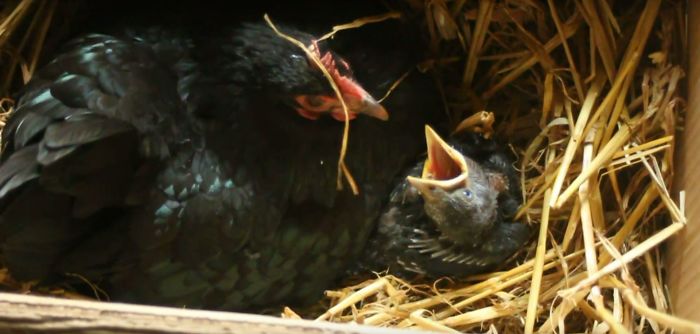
308	114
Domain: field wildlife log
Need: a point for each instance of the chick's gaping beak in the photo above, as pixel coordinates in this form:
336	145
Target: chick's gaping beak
444	168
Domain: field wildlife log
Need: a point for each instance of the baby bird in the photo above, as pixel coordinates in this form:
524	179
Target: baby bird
450	215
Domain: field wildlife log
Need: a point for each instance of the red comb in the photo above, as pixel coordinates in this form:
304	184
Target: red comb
328	61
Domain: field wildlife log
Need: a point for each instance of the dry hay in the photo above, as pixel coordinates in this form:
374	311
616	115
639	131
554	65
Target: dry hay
591	102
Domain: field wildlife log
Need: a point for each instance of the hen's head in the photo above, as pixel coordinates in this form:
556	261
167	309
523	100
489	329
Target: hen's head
277	69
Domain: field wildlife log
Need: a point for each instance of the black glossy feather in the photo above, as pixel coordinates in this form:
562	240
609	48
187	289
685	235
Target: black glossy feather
31	126
18	169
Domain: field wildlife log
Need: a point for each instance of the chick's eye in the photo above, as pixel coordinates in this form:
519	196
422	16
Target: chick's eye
468	193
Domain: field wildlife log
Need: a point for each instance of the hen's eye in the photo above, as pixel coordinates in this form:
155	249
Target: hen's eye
315	101
468	193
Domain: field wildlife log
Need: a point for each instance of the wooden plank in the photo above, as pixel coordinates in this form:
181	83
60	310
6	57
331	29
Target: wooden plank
35	314
684	250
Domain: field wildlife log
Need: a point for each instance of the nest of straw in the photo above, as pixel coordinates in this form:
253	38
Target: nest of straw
589	94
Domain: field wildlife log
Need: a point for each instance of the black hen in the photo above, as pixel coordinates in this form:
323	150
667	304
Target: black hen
195	171
449	216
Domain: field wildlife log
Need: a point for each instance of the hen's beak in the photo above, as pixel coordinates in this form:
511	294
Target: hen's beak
444	168
361	102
